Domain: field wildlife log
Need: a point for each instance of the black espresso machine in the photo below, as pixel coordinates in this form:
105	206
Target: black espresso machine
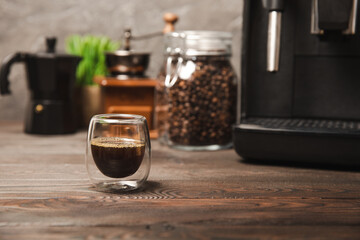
300	97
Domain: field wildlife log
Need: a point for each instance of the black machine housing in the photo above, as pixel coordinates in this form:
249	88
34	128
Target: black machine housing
309	108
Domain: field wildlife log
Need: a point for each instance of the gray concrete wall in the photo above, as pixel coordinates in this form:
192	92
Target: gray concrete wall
24	23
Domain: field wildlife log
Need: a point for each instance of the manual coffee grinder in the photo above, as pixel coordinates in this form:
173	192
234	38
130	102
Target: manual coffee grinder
51	79
127	89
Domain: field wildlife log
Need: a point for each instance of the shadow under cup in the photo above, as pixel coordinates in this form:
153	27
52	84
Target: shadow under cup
118	151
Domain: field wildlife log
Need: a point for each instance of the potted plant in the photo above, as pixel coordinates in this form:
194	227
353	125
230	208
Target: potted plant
91	49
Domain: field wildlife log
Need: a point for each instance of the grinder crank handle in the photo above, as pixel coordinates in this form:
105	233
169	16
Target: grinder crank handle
5	70
275	8
169	18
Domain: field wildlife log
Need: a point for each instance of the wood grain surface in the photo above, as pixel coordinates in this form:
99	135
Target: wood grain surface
45	194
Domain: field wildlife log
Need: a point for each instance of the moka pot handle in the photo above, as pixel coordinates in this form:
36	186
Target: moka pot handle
5	70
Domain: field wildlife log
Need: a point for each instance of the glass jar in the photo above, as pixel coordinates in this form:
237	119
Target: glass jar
201	90
171	53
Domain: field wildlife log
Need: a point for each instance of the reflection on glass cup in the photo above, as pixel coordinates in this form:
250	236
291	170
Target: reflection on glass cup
118	152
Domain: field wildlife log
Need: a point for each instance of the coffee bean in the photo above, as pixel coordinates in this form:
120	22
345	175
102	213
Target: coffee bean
202	108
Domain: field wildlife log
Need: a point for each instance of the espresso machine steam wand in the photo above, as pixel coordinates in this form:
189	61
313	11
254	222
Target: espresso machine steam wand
275	8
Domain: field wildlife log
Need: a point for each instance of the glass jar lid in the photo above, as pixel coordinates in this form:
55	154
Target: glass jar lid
197	43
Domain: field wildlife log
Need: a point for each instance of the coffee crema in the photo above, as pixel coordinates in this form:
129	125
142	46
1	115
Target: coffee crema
117	157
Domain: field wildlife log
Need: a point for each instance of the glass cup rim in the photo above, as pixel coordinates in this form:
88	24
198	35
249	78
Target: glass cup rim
118	118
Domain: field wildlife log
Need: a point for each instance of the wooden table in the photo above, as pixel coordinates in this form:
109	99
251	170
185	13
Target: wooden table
45	194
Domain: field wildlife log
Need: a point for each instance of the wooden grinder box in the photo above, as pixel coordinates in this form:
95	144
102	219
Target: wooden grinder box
130	96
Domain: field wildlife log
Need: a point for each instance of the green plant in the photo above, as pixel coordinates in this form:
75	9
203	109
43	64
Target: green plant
91	49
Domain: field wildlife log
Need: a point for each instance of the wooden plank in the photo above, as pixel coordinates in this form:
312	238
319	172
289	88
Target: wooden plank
45	194
168	231
220	213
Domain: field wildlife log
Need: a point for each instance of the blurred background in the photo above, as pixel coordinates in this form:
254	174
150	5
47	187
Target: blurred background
24	24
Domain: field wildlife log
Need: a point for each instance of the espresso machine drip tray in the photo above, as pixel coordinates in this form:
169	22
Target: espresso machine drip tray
296	139
314	126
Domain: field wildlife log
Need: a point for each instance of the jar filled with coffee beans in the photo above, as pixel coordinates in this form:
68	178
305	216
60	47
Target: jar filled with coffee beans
171	53
201	90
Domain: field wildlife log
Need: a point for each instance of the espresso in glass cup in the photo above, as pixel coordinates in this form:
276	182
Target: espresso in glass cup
118	152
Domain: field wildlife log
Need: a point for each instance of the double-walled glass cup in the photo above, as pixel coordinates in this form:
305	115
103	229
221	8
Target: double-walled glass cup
118	152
